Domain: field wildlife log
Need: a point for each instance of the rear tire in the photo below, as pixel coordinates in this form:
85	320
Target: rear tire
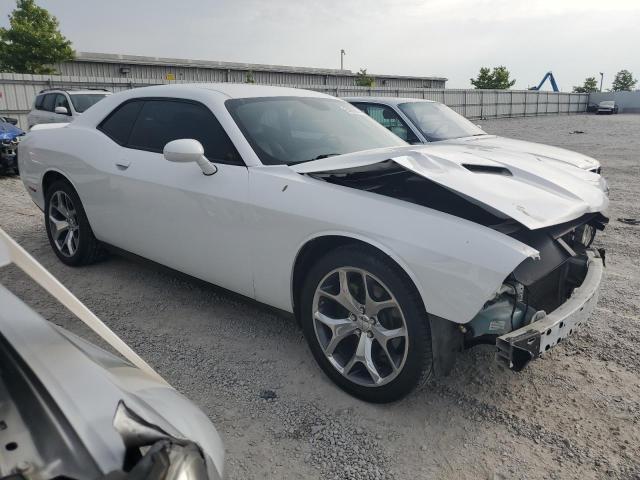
68	228
387	309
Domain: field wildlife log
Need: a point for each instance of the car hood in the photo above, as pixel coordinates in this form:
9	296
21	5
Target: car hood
544	152
522	186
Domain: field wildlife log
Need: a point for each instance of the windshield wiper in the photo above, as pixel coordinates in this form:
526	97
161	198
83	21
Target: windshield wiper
319	157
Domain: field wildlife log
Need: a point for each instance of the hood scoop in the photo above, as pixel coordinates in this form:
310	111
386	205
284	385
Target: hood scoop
491	169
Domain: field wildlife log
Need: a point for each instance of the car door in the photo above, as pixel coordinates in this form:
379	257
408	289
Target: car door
170	212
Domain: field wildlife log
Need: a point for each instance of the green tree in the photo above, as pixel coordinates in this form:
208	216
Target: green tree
590	85
32	43
498	79
249	78
623	82
364	80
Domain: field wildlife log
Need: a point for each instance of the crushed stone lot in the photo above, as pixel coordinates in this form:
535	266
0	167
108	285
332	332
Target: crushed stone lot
575	413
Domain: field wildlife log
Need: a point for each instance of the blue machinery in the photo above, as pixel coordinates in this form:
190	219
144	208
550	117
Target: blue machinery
552	80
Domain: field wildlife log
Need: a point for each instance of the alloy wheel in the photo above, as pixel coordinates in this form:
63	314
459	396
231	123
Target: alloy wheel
360	326
63	223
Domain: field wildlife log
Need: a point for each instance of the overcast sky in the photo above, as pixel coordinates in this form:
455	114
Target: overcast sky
449	38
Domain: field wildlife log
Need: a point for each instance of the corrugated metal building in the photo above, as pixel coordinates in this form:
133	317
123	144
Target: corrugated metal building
88	64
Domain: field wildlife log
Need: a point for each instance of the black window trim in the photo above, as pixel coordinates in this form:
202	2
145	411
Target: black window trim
143	100
376	104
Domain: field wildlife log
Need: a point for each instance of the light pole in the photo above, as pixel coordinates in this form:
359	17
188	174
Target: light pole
342	54
601	78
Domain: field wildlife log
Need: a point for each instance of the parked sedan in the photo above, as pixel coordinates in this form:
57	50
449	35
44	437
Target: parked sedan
69	409
607	107
392	257
424	121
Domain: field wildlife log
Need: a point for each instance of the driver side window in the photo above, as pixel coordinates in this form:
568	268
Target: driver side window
389	119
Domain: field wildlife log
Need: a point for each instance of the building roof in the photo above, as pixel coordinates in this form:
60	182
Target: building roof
182	62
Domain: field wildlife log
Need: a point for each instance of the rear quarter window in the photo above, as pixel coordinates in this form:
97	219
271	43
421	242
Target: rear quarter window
39	100
120	121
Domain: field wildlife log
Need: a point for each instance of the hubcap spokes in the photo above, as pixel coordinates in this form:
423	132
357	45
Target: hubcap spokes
63	223
360	326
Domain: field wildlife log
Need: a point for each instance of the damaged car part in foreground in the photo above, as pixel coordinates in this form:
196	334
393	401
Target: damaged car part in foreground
69	409
384	251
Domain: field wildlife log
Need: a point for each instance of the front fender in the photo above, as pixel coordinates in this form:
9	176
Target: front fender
455	264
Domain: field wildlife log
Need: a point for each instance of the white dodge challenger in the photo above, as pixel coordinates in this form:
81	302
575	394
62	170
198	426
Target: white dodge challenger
392	257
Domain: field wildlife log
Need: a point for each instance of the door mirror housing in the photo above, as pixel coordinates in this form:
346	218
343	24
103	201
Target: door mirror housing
61	110
188	150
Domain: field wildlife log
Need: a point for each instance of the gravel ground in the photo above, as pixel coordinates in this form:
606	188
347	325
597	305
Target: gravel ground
573	414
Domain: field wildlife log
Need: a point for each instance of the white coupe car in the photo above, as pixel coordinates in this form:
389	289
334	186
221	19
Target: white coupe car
425	121
392	257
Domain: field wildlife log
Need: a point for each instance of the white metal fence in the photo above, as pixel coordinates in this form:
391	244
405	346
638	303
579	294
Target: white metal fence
17	92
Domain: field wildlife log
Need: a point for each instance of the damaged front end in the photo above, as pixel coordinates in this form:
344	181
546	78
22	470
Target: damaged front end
543	300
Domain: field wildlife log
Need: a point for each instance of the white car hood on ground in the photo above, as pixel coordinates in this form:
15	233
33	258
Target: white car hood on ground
534	192
543	151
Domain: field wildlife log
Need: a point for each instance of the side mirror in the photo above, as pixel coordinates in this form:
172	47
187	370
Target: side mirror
188	150
62	110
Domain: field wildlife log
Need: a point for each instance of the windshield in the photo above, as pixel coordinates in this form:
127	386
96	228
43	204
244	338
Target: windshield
288	130
438	122
82	101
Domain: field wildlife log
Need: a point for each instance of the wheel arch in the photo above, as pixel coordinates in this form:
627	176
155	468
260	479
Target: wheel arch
313	248
51	176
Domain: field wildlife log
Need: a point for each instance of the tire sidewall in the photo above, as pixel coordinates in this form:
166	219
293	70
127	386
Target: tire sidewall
84	230
419	339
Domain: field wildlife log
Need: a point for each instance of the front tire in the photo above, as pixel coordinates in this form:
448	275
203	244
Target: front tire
366	325
68	228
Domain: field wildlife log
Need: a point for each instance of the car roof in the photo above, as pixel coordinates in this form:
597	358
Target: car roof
386	100
74	91
236	90
200	91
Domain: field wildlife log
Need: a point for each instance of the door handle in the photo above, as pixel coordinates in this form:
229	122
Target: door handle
123	164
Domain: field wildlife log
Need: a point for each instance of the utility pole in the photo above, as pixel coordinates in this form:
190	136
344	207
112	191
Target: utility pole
601	78
342	54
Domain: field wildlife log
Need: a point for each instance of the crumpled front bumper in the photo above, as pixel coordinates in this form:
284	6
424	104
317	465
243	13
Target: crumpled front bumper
517	348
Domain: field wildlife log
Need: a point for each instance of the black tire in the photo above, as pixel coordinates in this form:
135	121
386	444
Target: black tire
89	250
417	367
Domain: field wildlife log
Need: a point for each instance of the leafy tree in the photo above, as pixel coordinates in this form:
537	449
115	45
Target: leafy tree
249	78
364	80
32	43
590	85
623	82
498	79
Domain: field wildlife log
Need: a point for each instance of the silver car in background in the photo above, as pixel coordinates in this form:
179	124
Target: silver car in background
607	107
419	121
62	106
69	409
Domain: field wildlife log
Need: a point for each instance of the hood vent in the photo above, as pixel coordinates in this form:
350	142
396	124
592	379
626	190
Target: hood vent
487	169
